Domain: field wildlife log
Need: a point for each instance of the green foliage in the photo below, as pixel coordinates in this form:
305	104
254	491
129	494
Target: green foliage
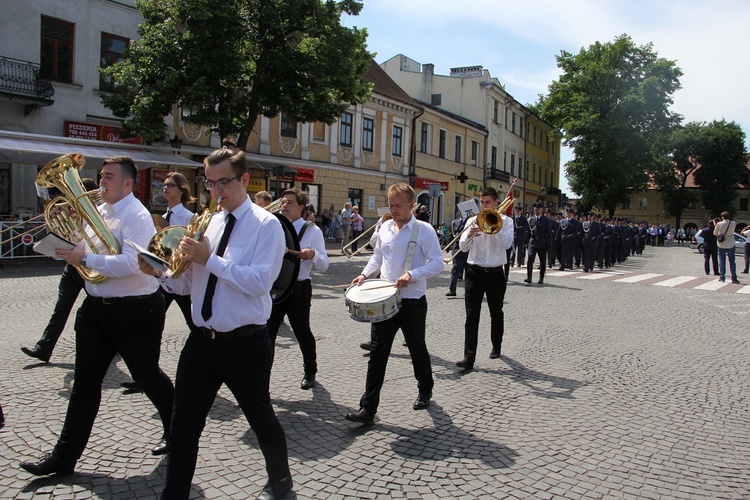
612	104
722	157
233	60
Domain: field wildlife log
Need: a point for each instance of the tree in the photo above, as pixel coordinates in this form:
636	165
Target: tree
230	61
722	157
612	104
671	175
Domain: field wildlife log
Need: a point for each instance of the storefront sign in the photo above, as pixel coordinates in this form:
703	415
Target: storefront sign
93	132
157	188
304	175
256	185
423	183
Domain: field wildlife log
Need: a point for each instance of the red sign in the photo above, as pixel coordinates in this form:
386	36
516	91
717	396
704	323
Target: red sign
305	174
27	239
93	132
425	184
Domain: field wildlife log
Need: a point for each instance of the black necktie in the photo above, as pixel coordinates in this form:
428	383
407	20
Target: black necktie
169	215
206	311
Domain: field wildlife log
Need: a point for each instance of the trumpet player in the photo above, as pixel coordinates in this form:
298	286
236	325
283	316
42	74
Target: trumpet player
485	275
124	314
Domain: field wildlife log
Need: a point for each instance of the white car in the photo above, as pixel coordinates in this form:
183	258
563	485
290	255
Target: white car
697	242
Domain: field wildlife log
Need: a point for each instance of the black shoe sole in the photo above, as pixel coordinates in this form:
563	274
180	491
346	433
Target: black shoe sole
359	421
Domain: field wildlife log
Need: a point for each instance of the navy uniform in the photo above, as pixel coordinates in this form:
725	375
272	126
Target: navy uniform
539	240
570	228
591	231
521	235
552	255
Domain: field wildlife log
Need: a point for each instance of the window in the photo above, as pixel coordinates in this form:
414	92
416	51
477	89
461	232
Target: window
436	99
56	58
520	126
319	132
346	130
494	158
397	143
112	51
551	178
441	144
512	164
355	198
313	195
368	133
533	174
513	124
424	139
642	204
495	111
520	168
457	155
507	113
528	169
744	204
288	126
505	161
474	152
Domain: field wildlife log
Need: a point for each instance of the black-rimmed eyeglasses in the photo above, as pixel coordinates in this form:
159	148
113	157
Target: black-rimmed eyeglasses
220	183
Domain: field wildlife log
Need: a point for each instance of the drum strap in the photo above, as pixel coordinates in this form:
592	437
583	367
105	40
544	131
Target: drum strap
304	228
412	246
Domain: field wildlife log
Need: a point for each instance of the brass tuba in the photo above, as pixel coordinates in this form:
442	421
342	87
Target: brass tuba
64	214
165	243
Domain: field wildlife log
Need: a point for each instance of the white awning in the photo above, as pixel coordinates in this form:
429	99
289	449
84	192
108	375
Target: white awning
39	152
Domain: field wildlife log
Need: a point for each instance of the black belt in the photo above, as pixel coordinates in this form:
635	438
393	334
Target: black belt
487	269
242	331
115	301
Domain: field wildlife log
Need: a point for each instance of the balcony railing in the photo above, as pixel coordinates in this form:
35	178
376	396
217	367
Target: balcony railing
22	78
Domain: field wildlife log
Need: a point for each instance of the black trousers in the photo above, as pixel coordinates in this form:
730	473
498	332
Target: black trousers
411	320
68	289
478	284
711	255
568	249
533	252
521	253
297	308
244	365
589	254
459	263
133	330
185	304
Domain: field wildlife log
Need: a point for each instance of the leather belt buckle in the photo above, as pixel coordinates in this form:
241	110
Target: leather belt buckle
108	301
208	332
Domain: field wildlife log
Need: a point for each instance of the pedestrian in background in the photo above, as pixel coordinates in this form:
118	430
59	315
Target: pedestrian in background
710	252
746	233
357	222
724	232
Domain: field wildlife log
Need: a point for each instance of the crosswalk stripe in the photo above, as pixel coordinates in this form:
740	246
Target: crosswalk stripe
638	277
744	289
711	285
675	281
595	276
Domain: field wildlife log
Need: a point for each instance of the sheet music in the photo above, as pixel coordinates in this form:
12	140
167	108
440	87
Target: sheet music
154	261
50	243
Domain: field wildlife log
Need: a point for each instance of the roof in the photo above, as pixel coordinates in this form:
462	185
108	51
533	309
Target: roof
385	86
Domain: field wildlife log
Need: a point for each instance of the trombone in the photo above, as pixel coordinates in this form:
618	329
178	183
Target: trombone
33	231
384	218
488	220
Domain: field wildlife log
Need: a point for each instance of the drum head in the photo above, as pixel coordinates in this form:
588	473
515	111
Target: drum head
370	291
283	285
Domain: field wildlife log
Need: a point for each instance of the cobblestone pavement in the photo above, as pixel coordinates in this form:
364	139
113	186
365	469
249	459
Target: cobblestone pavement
604	389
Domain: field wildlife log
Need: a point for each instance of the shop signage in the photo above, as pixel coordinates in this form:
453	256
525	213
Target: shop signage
256	185
94	132
303	175
425	184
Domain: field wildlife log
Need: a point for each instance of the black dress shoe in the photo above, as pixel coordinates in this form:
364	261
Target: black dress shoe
450	293
161	448
131	387
277	489
38	353
541	282
366	345
49	464
422	401
308	381
465	364
361	416
527	280
495	353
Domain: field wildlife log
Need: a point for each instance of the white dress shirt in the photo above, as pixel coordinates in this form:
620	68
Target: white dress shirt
180	215
247	271
128	219
488	250
313	238
391	248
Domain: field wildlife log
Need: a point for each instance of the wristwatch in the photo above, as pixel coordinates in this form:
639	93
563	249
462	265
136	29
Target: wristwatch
83	260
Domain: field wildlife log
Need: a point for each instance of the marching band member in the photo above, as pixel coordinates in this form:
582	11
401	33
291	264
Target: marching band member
122	315
485	275
297	306
230	282
407	252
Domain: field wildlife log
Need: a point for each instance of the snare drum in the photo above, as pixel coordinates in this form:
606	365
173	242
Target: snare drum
372	301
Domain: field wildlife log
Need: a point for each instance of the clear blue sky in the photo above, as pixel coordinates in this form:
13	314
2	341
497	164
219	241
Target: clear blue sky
518	41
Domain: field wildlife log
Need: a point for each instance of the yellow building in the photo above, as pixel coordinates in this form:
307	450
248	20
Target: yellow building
542	167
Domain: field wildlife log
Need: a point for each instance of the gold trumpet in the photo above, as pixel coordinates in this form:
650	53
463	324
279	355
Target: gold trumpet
488	220
165	244
64	215
386	217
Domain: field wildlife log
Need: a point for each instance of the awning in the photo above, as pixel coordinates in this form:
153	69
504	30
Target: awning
39	152
286	170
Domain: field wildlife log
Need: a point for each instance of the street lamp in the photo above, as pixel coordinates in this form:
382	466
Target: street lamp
175	142
412	176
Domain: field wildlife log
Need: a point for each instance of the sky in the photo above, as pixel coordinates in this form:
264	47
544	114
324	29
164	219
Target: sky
517	43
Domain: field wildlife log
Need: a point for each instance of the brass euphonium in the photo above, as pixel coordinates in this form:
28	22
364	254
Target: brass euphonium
64	214
165	243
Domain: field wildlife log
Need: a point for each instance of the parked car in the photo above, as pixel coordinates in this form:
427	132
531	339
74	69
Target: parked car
697	242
